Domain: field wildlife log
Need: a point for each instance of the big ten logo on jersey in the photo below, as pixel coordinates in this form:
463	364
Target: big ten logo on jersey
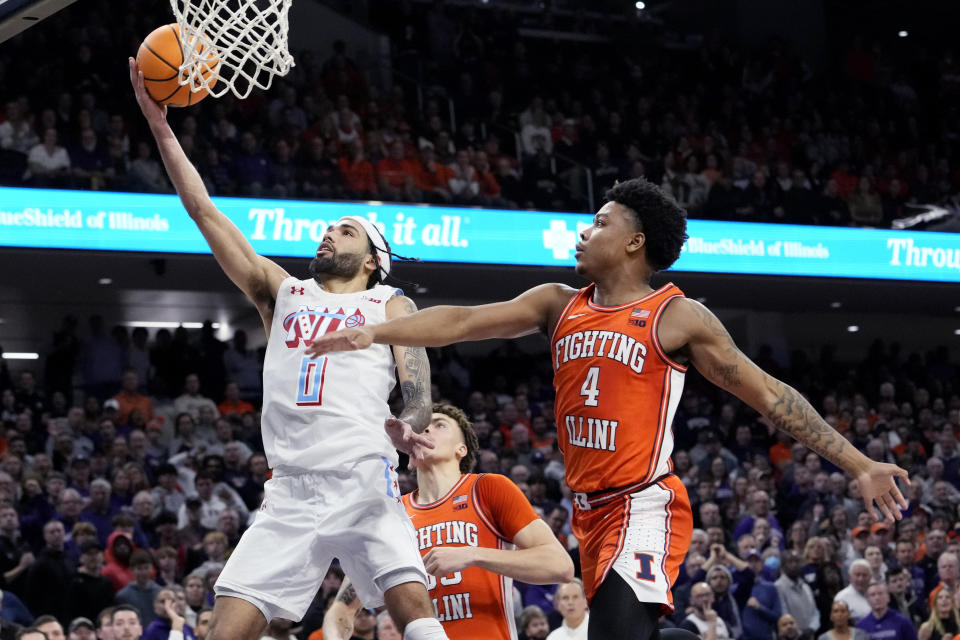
306	323
612	345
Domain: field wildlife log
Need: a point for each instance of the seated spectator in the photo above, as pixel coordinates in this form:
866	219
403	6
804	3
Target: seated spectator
143	590
358	175
251	167
232	402
865	206
50	626
145	173
571	602
16	131
48	163
117	554
99	511
884	622
702	619
944	620
13	610
125	622
396	176
191	400
90	164
49	578
167	613
463	183
130	398
855	594
432	177
15	554
90	592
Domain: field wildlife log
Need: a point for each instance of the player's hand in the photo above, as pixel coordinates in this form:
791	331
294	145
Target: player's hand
344	340
878	483
405	439
153	112
442	561
176	620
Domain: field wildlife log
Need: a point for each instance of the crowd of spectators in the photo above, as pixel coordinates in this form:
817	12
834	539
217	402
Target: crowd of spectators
131	468
731	133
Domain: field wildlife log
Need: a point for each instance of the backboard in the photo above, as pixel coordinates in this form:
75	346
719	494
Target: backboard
18	15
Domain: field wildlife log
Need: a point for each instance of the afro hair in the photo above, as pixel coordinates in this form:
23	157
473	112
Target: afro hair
659	217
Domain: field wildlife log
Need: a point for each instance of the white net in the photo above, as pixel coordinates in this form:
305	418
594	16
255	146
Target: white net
233	45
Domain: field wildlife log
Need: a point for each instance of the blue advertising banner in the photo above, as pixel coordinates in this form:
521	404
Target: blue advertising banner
97	220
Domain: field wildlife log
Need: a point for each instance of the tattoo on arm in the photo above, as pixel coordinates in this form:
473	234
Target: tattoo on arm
348	593
728	373
793	414
415	390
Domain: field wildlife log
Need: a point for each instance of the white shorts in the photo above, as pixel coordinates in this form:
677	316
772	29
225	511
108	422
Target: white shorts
307	520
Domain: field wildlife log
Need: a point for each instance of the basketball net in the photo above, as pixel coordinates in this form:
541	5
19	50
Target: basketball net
237	45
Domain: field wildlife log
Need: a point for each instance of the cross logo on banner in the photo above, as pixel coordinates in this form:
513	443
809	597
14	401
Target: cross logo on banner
559	239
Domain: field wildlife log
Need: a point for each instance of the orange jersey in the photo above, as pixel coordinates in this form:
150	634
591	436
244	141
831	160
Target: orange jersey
617	391
485	510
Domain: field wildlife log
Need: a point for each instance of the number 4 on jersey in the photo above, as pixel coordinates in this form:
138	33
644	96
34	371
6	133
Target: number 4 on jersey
589	389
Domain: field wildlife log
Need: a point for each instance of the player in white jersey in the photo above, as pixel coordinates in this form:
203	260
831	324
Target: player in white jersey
334	491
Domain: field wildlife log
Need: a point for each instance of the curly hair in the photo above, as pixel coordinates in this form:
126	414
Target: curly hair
469	461
658	216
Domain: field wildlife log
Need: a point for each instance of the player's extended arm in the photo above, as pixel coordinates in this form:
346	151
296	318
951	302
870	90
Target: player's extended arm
413	371
256	276
533	310
338	619
688	326
538	559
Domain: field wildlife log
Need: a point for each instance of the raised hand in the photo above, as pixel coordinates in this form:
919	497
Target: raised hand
344	340
153	112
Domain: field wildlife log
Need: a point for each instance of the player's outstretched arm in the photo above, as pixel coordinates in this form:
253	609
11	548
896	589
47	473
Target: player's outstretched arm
338	619
689	327
538	559
256	276
413	371
533	310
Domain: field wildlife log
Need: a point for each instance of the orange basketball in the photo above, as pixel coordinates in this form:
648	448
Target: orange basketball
159	57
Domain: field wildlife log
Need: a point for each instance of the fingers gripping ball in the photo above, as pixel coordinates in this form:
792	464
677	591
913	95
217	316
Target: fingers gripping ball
159	58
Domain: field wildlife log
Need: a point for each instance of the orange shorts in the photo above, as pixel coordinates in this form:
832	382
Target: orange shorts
643	536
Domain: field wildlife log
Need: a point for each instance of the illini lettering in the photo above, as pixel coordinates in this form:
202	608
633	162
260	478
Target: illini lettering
454	606
455	532
592	433
612	345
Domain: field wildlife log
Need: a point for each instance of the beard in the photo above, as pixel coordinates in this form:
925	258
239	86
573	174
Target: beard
338	265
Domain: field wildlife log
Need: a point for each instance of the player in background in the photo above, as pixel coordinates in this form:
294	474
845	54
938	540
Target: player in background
476	532
620	349
334	489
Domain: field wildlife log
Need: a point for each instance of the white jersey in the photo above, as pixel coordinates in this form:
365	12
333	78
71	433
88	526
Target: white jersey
325	413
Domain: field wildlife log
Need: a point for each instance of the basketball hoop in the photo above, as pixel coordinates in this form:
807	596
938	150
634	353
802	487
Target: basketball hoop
242	44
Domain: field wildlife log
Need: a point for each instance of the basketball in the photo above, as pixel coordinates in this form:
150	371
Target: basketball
159	58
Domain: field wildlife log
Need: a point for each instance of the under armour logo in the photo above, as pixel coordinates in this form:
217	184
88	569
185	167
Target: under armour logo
294	290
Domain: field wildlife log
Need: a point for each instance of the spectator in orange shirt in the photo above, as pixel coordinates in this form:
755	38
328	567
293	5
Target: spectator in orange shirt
432	177
130	398
232	403
395	175
358	174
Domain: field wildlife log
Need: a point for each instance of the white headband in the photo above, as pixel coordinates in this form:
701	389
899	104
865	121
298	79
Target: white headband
379	242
